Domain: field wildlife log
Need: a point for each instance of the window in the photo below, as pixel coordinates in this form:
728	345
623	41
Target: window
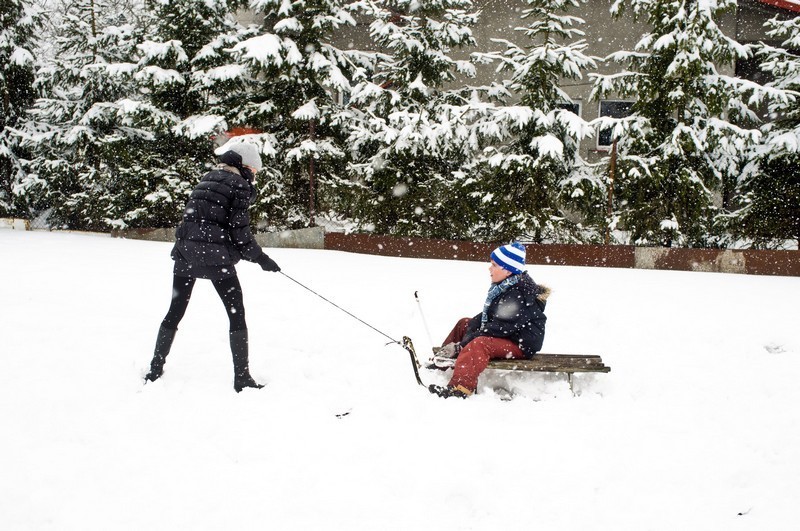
613	109
750	68
574	108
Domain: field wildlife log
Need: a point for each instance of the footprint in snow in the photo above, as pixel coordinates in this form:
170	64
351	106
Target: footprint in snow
774	348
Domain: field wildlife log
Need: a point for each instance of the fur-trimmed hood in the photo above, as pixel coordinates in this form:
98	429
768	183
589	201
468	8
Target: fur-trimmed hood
544	292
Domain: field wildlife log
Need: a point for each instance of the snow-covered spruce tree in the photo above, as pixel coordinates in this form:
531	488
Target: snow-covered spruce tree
770	187
80	134
535	171
292	77
183	39
19	24
408	134
684	141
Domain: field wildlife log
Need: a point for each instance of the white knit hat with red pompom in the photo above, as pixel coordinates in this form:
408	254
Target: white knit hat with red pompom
247	150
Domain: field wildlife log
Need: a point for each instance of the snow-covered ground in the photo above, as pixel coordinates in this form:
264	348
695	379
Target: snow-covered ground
696	427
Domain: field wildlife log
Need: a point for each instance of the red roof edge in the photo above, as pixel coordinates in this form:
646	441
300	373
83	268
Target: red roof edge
783	4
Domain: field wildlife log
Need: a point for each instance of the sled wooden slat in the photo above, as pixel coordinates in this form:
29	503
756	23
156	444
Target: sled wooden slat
568	363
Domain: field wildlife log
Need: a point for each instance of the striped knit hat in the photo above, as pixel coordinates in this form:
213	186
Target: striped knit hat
510	257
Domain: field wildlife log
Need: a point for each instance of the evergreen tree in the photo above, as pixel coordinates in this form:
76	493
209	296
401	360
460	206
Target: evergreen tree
688	129
184	40
81	135
535	170
770	187
413	136
19	23
291	78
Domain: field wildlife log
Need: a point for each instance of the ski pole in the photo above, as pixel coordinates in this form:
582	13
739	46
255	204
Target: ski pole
424	321
406	343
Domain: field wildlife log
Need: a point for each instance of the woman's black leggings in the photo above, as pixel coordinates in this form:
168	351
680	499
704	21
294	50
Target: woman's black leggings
229	291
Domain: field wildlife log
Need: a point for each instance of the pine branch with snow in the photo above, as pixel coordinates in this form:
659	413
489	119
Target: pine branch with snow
769	189
20	22
181	41
291	83
412	136
78	131
533	170
692	124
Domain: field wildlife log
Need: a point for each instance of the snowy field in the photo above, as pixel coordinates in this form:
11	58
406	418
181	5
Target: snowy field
696	427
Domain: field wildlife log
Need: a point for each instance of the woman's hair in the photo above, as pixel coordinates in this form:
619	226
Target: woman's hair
231	158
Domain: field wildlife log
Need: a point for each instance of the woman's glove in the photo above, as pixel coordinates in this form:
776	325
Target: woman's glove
268	264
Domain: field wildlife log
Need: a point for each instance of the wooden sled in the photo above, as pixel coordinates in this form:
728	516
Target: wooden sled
566	363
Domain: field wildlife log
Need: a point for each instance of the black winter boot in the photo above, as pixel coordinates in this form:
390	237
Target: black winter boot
447	392
241	363
163	344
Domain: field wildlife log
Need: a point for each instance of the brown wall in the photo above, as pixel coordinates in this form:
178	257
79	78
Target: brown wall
750	262
785	263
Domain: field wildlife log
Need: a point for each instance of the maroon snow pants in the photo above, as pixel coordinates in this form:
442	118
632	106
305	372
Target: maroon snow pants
474	358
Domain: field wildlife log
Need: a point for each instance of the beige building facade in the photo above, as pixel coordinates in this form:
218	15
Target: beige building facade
603	34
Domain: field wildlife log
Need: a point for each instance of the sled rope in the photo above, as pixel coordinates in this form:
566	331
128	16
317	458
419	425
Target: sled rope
406	343
390	338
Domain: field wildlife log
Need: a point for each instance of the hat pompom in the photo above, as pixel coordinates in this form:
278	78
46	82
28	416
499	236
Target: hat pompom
510	257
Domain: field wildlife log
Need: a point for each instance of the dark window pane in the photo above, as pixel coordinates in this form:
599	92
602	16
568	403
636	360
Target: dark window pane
614	109
574	108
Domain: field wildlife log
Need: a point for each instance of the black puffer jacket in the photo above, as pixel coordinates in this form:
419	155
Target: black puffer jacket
215	232
517	314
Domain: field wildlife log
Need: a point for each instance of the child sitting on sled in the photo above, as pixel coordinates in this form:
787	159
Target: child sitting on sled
511	325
